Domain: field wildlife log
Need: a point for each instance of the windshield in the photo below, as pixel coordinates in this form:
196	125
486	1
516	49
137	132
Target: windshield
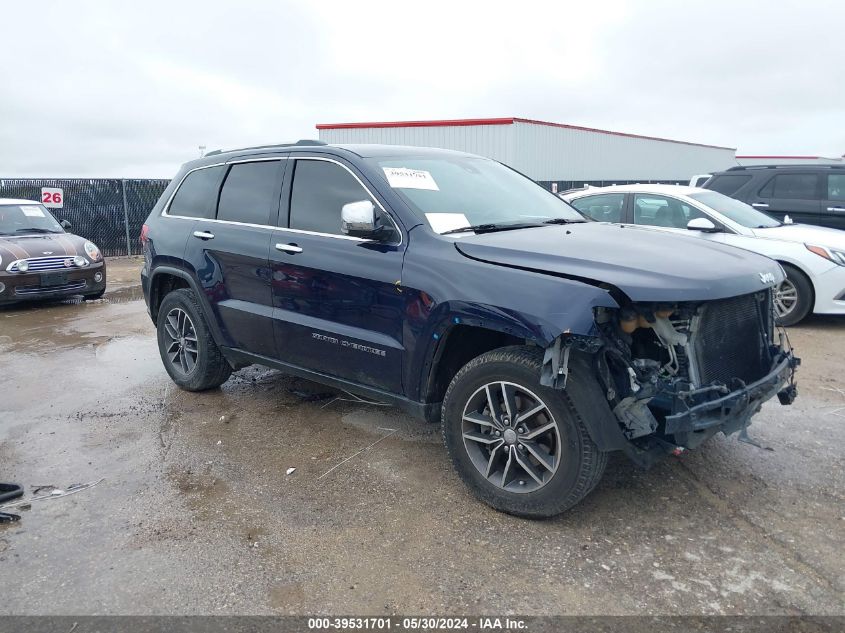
735	210
19	219
452	192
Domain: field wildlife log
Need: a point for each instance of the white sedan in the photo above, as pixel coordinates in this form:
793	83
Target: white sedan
813	257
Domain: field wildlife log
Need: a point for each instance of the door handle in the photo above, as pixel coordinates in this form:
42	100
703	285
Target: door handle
204	235
836	209
288	248
759	205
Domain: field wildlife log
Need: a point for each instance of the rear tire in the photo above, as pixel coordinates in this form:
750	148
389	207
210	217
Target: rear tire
533	457
188	351
793	297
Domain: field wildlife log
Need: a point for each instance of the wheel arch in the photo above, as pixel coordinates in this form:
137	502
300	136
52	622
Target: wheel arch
165	279
455	347
797	266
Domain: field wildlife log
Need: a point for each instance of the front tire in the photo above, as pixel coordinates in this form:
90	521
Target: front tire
188	351
793	297
520	447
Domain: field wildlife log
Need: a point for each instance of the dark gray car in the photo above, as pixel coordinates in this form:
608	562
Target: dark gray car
808	194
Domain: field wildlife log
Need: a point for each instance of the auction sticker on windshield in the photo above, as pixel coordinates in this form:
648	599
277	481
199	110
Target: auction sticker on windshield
404	178
32	212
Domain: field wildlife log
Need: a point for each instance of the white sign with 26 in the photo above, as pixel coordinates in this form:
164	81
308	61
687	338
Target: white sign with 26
52	197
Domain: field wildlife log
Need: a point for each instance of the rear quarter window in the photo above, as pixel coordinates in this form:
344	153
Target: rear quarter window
197	195
727	184
791	187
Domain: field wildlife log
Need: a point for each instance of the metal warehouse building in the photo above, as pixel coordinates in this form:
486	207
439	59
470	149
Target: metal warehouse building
557	155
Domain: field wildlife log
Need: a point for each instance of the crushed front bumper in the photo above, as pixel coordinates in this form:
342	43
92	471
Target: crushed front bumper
733	411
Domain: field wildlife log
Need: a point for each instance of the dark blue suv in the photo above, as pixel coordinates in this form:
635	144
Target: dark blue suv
453	287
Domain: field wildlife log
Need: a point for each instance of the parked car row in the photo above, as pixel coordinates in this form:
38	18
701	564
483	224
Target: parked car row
462	292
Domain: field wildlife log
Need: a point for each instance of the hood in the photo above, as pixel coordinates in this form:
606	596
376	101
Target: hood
40	245
805	233
645	264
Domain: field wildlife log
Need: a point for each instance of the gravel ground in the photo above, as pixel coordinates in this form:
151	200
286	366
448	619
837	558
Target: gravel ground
196	514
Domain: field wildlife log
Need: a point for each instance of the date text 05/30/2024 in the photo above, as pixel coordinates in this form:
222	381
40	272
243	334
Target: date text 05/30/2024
416	623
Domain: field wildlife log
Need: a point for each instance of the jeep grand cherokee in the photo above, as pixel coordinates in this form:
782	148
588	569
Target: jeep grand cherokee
462	292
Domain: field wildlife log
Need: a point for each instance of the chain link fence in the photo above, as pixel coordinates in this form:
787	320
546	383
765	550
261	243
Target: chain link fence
109	212
559	186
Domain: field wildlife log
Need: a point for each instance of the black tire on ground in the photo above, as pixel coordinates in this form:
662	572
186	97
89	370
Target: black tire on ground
95	296
798	281
579	464
209	369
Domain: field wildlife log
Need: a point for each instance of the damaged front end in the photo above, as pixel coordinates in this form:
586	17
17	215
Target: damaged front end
674	375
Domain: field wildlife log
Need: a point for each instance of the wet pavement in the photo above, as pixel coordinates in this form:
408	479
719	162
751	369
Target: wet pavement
196	513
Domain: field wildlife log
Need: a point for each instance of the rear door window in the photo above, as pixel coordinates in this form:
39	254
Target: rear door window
836	186
791	187
251	192
602	208
197	194
728	183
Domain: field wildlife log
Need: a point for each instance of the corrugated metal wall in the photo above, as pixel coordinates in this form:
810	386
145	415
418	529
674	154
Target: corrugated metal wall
545	152
548	153
493	141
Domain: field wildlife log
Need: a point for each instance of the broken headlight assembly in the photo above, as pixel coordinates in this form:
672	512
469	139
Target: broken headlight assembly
660	359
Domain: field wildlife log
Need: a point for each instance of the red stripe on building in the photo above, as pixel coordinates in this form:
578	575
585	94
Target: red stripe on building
442	123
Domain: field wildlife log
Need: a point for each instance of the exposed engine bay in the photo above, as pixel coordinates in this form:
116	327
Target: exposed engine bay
676	374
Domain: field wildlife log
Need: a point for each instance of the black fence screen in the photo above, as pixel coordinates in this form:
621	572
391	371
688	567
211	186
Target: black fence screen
108	212
559	186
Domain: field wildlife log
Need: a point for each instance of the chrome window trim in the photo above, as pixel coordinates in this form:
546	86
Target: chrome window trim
235	161
165	213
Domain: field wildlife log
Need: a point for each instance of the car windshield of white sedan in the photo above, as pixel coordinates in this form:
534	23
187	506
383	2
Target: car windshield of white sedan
19	219
735	210
452	193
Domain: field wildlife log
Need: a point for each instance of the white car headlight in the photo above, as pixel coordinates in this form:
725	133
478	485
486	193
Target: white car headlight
837	257
92	251
79	261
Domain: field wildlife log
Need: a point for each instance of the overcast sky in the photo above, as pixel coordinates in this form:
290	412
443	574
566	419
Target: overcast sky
131	90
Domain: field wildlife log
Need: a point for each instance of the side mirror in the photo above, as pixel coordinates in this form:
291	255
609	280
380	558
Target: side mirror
65	225
702	224
358	219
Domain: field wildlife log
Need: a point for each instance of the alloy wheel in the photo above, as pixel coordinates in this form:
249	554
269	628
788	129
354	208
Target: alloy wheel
511	437
181	341
786	298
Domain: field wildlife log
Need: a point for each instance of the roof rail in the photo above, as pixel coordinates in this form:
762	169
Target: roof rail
301	142
785	166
